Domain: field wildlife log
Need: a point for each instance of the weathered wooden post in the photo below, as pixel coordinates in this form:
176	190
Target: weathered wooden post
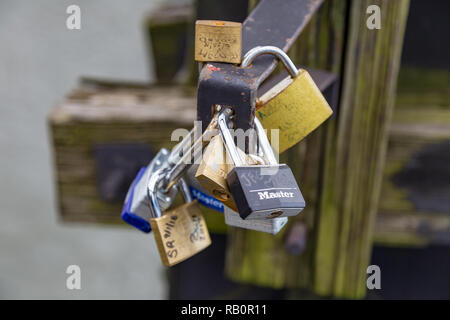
102	134
341	164
415	203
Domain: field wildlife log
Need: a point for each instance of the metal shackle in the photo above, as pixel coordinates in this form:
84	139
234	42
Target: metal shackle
152	190
178	150
183	187
264	143
228	138
224	130
153	185
180	164
280	54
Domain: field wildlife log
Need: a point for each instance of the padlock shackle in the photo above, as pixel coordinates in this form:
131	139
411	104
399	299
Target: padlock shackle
152	190
280	54
154	184
228	138
184	162
176	152
264	143
183	187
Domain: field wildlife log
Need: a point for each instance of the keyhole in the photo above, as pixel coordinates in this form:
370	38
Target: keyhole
221	195
274	214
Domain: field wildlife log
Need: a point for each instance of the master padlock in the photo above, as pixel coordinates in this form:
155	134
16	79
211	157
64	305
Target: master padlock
295	106
214	168
179	233
260	191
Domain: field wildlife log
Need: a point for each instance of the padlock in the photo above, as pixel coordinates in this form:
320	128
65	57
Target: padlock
136	210
295	106
181	162
213	170
200	193
179	233
219	41
273	226
260	191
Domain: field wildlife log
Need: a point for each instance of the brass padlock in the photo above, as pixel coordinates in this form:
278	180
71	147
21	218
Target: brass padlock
219	41
214	167
179	233
295	106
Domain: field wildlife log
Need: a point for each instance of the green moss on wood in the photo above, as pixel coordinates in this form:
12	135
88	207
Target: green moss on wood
262	259
353	179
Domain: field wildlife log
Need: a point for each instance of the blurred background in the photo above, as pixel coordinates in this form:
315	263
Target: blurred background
40	62
60	90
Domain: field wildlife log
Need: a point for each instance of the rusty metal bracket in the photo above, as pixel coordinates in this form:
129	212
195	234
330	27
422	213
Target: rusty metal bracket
273	22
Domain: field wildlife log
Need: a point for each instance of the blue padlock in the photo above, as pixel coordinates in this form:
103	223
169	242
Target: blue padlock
198	192
136	208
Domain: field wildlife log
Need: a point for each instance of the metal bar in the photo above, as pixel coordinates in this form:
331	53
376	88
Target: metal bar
273	22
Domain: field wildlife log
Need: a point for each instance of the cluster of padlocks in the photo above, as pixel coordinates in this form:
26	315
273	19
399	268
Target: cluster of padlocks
243	177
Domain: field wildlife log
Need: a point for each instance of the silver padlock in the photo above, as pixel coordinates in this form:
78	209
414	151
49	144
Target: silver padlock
273	226
260	191
136	209
232	218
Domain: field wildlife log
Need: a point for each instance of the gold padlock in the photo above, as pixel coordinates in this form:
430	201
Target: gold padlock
179	233
295	106
219	41
214	167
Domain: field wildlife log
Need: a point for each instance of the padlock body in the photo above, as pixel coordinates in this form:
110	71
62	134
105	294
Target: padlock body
204	198
180	233
265	192
214	168
295	106
136	209
219	41
272	226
